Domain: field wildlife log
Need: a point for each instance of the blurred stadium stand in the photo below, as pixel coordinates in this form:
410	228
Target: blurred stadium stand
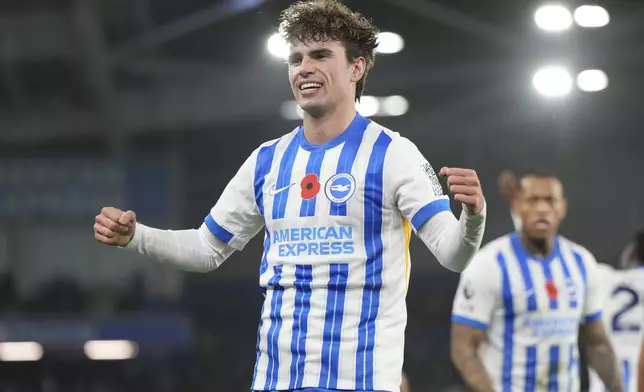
152	105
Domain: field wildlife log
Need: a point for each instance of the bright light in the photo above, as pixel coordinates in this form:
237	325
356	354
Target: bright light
552	81
395	105
389	43
20	351
110	349
277	46
591	16
368	106
592	80
553	18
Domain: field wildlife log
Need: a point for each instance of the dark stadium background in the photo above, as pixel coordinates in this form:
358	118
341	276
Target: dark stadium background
152	105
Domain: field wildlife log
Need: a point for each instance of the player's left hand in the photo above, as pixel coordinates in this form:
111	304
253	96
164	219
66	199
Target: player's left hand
464	184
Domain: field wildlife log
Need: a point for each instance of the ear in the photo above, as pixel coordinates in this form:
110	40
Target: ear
564	208
358	68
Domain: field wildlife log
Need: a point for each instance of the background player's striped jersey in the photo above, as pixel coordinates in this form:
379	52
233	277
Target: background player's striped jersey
530	309
623	317
338	219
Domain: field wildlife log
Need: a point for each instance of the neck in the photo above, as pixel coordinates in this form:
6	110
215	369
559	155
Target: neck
319	130
541	247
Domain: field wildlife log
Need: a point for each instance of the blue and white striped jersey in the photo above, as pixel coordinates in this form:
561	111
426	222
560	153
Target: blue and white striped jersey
337	222
623	316
530	308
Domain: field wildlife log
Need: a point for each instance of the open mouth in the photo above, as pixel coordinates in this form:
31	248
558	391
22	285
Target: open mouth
542	224
310	86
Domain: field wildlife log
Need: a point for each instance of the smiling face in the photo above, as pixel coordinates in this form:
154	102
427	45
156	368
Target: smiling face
541	206
321	76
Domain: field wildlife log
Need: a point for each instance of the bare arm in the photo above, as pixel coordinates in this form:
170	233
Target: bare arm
601	355
464	346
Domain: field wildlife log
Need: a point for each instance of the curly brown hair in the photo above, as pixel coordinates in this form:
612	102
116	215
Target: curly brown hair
321	20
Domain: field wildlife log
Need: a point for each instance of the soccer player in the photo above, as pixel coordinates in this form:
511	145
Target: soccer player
516	314
338	198
623	314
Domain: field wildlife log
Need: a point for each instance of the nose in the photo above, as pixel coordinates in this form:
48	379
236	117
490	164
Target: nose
542	207
306	67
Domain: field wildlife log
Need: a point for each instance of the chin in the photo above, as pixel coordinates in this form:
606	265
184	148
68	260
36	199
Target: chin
540	235
314	110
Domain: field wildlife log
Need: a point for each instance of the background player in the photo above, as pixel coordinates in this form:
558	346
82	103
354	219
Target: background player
519	303
623	313
338	199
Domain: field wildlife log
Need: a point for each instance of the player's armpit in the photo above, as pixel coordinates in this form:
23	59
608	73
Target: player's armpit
464	346
601	355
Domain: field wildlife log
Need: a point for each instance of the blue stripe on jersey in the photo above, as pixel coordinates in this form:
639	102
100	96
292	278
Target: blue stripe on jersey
263	265
508	325
222	234
570	284
332	335
312	167
262	168
525	273
284	179
259	354
302	284
582	268
571	366
348	156
469	322
373	272
553	369
547	273
428	211
530	368
277	292
626	374
593	317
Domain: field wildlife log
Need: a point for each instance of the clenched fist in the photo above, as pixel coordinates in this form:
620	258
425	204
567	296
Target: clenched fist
466	188
114	227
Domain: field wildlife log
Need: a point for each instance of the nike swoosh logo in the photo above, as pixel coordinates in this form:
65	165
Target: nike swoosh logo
272	191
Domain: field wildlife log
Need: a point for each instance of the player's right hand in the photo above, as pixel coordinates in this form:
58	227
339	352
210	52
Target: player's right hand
114	227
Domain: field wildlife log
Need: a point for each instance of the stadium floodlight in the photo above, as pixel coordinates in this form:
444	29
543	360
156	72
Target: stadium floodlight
389	43
368	106
552	81
592	80
20	351
396	105
277	47
591	16
553	17
114	350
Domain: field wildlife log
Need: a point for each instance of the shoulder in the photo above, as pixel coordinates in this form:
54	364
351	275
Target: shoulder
578	250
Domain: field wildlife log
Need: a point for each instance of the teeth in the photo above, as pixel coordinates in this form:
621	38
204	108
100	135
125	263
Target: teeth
306	86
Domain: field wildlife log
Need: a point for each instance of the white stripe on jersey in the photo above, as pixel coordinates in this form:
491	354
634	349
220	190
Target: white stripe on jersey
530	308
336	262
623	318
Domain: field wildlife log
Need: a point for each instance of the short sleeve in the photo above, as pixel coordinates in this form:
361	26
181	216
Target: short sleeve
235	218
595	293
478	293
417	193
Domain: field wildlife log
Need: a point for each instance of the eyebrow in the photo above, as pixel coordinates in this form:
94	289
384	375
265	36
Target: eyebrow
298	55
